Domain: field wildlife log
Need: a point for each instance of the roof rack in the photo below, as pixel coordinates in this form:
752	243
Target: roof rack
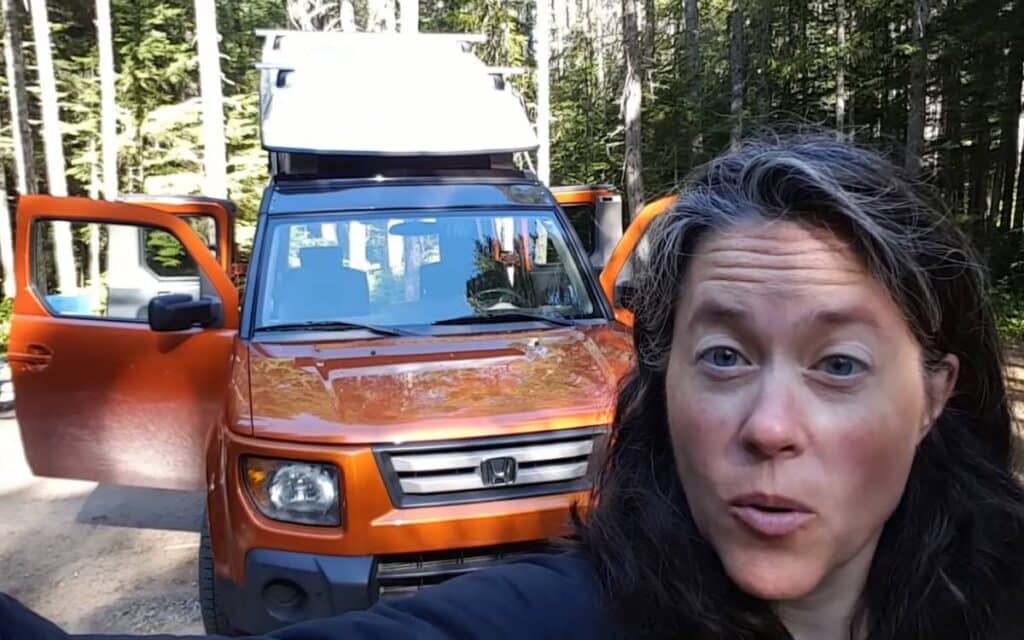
343	93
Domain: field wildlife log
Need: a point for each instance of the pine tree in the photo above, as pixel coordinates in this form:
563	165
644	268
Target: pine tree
108	117
56	181
17	93
214	145
632	106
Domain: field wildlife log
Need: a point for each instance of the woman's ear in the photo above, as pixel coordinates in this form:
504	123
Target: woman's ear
940	379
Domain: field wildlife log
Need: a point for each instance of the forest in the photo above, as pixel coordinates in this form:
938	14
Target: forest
632	92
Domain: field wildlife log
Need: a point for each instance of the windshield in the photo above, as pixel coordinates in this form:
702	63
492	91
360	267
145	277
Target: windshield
394	269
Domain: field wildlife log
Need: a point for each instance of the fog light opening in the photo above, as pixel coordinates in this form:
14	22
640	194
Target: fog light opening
285	600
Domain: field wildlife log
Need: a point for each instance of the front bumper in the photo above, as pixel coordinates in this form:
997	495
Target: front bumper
284	587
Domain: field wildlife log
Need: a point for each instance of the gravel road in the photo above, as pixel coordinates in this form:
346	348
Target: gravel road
97	558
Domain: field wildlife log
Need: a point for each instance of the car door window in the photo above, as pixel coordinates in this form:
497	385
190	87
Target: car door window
113	271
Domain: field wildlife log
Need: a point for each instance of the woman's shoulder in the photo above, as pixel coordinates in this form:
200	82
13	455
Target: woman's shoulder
536	596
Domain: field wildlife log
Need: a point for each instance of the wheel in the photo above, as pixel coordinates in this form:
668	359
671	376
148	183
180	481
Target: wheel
210	600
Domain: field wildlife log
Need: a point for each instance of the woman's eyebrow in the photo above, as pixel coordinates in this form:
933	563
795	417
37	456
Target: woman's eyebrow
858	314
718	312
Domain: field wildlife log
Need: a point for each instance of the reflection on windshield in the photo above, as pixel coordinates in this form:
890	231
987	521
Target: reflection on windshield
388	270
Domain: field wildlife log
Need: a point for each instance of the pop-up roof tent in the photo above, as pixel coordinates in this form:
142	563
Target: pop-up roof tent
384	95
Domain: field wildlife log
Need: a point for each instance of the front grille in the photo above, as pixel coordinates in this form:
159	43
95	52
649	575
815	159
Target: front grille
401	575
489	469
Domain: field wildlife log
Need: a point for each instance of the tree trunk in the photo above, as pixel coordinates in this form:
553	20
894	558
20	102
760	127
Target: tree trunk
1018	221
765	86
17	94
214	146
347	20
693	77
599	47
951	171
840	66
1011	132
736	55
55	179
918	83
410	15
980	161
692	38
94	229
650	23
994	187
108	102
381	16
632	102
851	91
559	28
6	243
542	32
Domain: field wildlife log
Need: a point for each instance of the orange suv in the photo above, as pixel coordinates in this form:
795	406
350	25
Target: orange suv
415	383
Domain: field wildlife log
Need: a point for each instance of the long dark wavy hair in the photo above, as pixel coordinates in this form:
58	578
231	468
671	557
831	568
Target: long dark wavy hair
950	562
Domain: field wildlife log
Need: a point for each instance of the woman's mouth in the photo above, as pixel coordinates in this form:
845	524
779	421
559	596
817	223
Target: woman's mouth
770	515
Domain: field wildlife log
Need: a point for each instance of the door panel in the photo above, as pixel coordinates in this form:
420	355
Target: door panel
628	255
99	395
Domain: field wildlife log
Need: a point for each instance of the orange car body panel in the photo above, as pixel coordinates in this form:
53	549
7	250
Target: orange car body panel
568	196
371	525
624	249
435	388
456	387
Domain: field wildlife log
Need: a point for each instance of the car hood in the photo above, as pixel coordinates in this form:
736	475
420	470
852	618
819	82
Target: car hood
436	388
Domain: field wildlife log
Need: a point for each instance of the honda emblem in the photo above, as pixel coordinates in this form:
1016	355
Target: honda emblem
496	472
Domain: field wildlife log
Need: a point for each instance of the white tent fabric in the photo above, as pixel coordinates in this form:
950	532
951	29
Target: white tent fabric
385	94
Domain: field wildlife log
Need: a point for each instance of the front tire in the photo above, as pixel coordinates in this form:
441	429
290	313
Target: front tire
211	601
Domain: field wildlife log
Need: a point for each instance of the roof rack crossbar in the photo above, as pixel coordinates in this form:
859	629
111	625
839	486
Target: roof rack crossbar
472	38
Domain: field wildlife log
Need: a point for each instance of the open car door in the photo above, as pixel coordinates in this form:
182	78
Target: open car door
595	212
99	393
629	256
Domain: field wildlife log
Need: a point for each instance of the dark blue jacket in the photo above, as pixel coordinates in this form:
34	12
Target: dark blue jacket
555	596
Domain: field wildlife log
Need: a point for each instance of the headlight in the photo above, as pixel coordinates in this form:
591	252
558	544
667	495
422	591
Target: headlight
302	492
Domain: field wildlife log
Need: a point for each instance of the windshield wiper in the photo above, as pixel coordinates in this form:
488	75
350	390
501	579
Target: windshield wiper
505	316
336	325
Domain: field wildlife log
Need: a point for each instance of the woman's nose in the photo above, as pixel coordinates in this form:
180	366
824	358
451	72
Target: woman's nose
775	425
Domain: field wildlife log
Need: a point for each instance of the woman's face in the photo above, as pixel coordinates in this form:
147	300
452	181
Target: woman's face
796	398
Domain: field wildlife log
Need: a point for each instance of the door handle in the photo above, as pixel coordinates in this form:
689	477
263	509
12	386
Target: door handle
37	356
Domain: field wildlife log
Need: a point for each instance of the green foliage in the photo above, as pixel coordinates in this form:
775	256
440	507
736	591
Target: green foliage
164	249
1008	306
6	311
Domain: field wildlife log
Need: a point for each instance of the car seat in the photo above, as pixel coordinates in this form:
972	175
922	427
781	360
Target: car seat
321	288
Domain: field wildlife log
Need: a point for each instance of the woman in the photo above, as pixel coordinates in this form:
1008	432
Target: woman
815	443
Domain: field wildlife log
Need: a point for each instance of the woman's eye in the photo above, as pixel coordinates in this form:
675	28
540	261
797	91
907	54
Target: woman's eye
842	366
722	357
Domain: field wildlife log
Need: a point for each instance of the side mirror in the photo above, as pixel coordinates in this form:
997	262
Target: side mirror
178	311
625	292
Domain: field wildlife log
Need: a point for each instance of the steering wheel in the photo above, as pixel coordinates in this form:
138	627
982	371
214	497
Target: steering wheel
499	293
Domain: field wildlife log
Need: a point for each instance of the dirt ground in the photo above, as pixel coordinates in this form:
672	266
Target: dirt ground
96	558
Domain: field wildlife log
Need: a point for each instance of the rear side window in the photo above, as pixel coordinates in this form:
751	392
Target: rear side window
582	218
165	256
